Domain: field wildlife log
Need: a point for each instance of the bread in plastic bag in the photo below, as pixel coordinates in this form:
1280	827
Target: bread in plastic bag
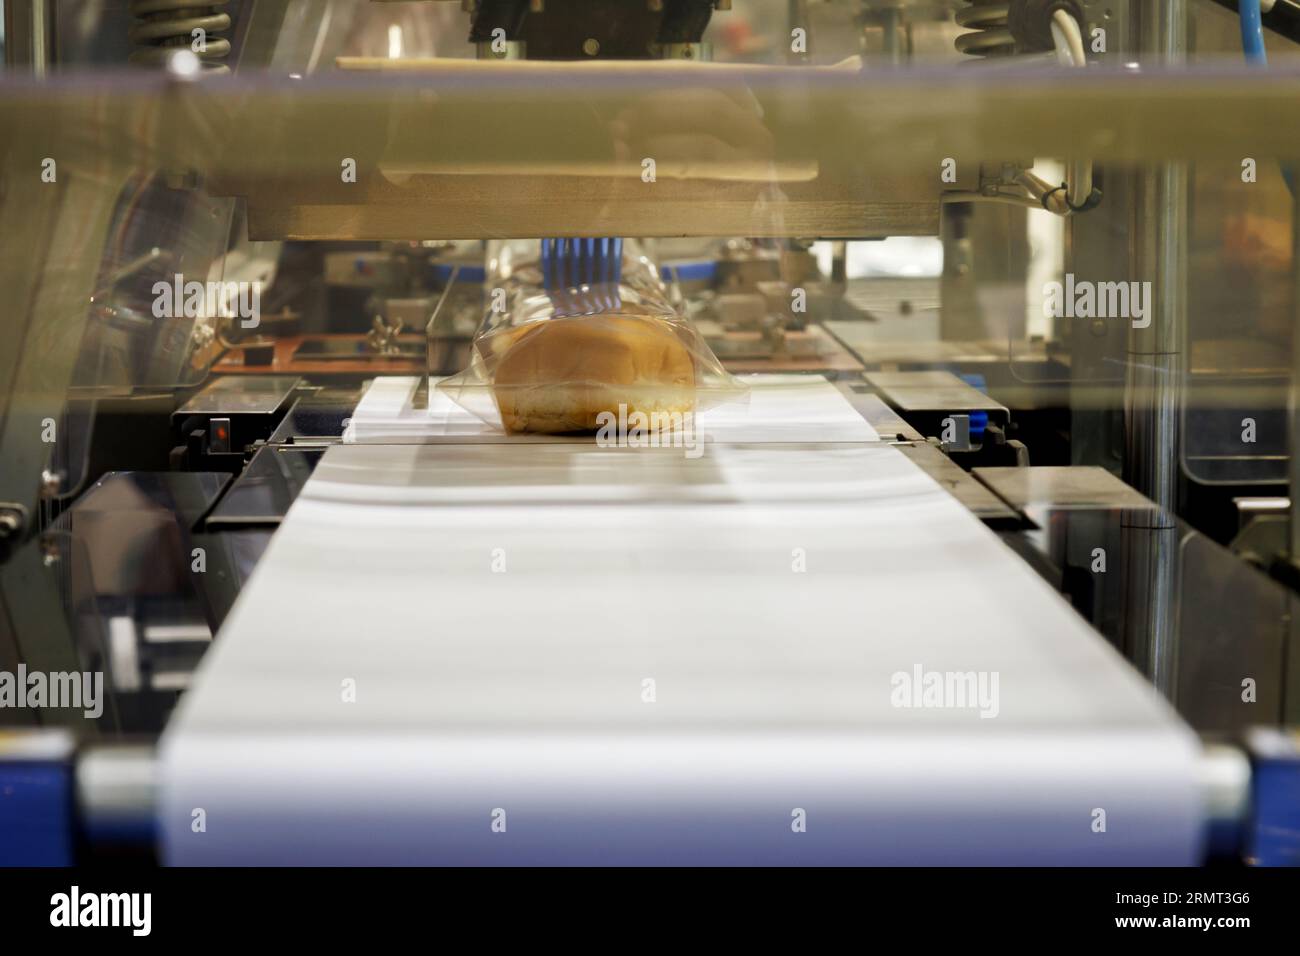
576	359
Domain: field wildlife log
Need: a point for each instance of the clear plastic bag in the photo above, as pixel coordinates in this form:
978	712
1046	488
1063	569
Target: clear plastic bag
586	358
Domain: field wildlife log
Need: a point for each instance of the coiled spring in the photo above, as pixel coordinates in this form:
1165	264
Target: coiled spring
163	26
991	36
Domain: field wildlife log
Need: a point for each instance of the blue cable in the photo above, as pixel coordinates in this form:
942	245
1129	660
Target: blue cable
1252	44
1252	31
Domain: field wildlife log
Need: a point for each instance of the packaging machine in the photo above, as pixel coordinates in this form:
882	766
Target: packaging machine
984	554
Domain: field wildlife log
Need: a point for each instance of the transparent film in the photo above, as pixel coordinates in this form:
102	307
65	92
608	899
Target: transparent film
581	335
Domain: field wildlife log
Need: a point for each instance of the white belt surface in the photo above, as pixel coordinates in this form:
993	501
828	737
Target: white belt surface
564	653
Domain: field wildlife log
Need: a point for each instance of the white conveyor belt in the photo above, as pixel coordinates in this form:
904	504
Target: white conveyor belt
560	653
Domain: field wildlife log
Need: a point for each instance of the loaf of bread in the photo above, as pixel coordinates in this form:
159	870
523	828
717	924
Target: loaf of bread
558	375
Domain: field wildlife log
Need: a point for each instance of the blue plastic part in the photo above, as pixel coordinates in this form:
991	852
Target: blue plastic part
573	263
35	813
979	421
1275	795
441	272
699	271
1277	835
1252	44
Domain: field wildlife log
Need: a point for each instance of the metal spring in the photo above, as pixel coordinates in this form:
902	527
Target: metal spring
163	26
992	36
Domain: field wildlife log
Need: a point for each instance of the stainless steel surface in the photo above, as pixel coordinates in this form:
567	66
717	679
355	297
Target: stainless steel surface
880	416
1156	360
1234	643
1154	381
936	391
1032	488
242	395
914	342
1251	507
1150	595
956	433
317	418
1225	656
263	492
959	483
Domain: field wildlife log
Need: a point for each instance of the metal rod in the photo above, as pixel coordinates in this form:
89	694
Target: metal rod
1153	387
1293	398
1225	777
30	39
117	794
